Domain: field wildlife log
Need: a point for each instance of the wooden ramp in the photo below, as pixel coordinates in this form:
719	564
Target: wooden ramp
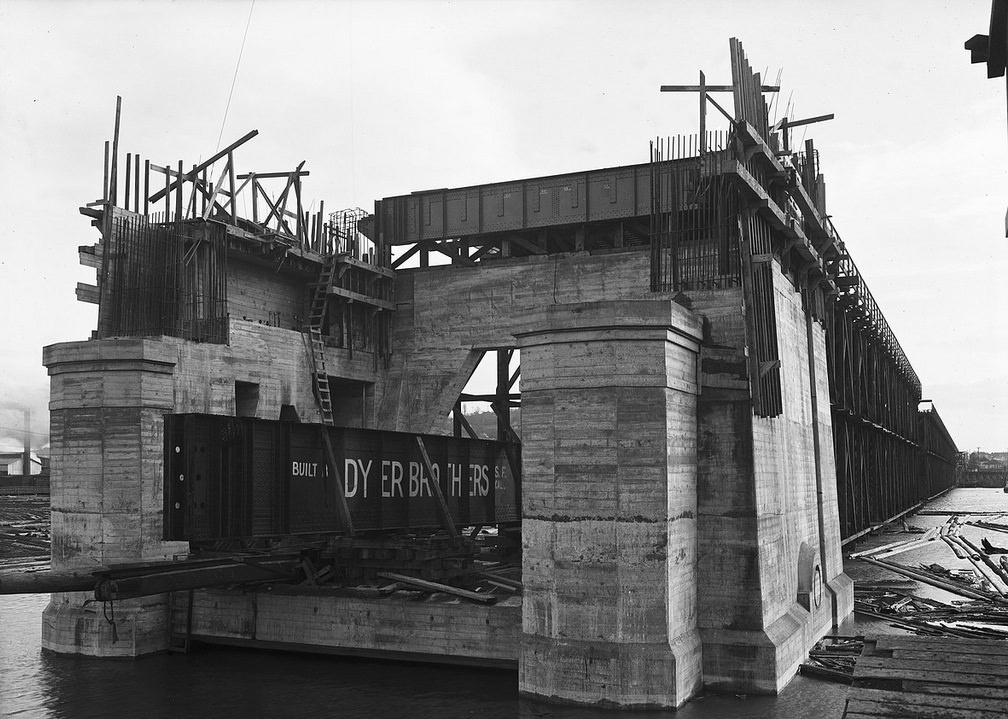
924	677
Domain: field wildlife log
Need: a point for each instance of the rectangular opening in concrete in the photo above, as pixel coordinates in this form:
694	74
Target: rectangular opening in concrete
246	398
350	401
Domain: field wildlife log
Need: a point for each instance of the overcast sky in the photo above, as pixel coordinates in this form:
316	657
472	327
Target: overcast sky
384	98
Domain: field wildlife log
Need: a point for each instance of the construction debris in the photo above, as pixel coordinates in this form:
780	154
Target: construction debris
833	659
985	585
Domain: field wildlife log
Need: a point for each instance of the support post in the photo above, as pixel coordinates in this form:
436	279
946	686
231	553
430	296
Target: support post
703	113
446	516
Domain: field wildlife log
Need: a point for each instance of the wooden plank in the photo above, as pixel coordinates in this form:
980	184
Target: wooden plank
971	646
943	656
87	293
886	547
952	664
712	88
280	209
437	587
345	259
90	255
212	203
206	163
929	536
807	121
502	581
884	668
808	210
913	699
751	138
358	297
895	708
992	692
268	175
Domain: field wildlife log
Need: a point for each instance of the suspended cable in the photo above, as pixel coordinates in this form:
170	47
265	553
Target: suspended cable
235	78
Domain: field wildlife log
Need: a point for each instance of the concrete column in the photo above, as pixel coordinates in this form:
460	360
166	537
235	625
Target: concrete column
609	530
106	405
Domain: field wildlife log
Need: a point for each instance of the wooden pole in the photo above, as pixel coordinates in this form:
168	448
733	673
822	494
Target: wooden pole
126	192
231	187
115	152
446	516
178	194
703	113
105	179
136	183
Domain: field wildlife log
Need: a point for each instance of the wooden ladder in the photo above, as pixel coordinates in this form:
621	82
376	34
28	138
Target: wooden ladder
320	377
314	343
315	346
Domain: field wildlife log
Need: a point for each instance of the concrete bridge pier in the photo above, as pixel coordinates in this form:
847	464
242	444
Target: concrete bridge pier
609	526
107	400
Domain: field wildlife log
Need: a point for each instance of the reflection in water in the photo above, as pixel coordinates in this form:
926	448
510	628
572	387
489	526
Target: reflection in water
224	682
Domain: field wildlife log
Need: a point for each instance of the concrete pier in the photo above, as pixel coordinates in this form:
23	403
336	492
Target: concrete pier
609	518
105	419
766	523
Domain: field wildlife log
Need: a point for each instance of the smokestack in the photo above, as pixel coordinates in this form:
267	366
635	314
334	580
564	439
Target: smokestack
26	457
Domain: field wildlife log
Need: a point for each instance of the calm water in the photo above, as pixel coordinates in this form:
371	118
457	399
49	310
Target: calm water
224	682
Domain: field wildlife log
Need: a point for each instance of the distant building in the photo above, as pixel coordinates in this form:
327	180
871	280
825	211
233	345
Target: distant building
12	463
